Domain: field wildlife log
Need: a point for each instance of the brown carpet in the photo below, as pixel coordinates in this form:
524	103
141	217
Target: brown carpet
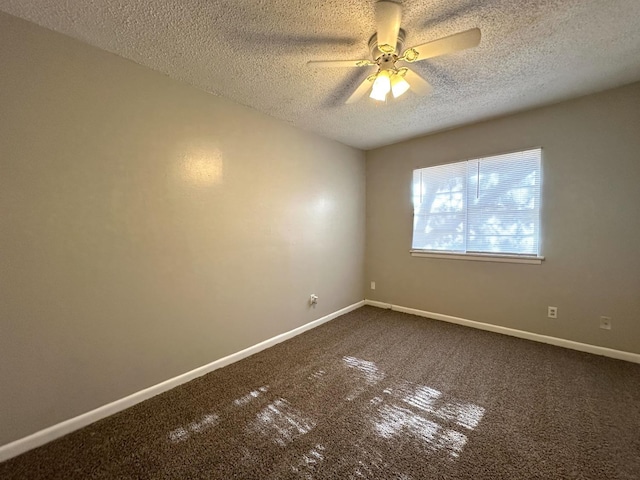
373	394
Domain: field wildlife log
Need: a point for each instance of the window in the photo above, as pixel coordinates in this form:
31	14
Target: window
484	206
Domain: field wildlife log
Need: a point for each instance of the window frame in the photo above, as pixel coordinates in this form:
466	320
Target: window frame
530	259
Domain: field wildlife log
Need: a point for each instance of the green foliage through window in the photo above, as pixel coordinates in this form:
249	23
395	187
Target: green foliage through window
485	205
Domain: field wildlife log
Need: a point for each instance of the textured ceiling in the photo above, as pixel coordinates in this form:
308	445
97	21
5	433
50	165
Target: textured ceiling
533	52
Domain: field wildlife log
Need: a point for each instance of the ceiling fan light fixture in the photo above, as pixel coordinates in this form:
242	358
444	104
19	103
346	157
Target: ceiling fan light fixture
399	85
386	47
381	86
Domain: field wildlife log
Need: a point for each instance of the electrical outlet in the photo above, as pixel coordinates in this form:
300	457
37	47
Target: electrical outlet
313	300
605	323
373	285
552	312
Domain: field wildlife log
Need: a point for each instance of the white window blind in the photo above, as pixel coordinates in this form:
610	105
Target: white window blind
485	205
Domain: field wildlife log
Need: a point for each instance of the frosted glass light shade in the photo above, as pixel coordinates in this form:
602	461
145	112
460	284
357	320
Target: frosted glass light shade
398	85
381	86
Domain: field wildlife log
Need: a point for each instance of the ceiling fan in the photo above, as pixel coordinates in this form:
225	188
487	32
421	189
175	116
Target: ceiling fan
385	47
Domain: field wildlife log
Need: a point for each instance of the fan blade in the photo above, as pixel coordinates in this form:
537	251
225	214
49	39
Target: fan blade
418	84
340	63
442	46
362	90
388	16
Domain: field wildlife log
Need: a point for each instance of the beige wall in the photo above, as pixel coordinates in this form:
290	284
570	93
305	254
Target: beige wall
590	222
148	228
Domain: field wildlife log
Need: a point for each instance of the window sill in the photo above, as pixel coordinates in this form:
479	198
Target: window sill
479	257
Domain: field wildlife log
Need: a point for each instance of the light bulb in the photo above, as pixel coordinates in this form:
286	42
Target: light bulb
381	86
378	95
398	85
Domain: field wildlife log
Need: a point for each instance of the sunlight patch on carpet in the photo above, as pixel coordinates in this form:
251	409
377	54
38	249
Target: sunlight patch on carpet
180	434
371	464
369	370
250	396
394	420
317	375
429	400
365	370
309	462
423	398
281	422
426	414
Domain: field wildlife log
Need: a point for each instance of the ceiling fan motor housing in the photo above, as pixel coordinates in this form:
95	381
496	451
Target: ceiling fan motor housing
387	61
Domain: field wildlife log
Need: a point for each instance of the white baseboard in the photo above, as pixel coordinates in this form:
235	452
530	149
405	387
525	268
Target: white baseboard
37	439
536	337
374	303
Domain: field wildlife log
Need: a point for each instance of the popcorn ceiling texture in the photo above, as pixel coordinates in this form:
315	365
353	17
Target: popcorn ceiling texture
533	52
